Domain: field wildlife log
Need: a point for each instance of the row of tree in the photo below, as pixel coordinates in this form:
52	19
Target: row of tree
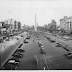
51	26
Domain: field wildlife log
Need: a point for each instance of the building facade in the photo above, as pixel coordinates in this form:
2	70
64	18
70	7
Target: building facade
66	23
10	25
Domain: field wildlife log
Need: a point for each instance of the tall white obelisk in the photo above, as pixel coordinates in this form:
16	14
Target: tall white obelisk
35	23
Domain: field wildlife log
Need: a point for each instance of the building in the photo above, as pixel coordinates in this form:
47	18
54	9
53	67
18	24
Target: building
66	23
15	25
19	25
10	25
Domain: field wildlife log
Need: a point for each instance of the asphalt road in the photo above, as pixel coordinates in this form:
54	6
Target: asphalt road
54	58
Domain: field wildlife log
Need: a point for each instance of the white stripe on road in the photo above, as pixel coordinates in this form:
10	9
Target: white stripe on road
36	58
46	62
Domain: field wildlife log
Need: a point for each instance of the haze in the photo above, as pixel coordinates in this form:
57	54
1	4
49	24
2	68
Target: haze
24	11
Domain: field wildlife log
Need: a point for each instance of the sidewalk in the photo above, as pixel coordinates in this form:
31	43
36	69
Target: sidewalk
9	43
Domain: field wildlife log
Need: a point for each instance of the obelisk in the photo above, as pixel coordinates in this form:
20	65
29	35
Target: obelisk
35	23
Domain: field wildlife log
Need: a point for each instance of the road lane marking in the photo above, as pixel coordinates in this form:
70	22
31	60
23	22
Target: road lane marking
35	56
46	62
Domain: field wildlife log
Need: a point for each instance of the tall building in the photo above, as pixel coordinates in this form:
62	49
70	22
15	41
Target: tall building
15	25
19	25
66	23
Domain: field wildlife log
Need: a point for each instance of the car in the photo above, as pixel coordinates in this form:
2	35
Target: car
28	37
18	53
69	55
25	41
41	46
20	50
52	40
17	56
9	66
42	51
58	45
16	59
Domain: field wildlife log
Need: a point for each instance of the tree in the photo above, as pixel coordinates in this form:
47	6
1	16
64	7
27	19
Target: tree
52	26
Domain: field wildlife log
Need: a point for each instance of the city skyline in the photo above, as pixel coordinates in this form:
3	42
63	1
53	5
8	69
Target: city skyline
24	11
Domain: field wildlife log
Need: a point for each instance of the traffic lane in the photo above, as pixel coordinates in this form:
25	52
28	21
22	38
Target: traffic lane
28	62
59	63
50	47
54	57
28	59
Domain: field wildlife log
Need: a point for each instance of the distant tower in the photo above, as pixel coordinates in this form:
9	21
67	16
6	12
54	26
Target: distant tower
35	23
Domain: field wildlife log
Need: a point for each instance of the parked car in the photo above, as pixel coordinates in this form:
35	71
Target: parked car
16	59
68	55
11	64
42	51
17	56
51	40
39	44
28	37
9	67
20	50
58	45
25	41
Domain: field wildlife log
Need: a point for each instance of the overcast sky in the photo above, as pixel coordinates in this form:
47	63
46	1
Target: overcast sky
24	10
